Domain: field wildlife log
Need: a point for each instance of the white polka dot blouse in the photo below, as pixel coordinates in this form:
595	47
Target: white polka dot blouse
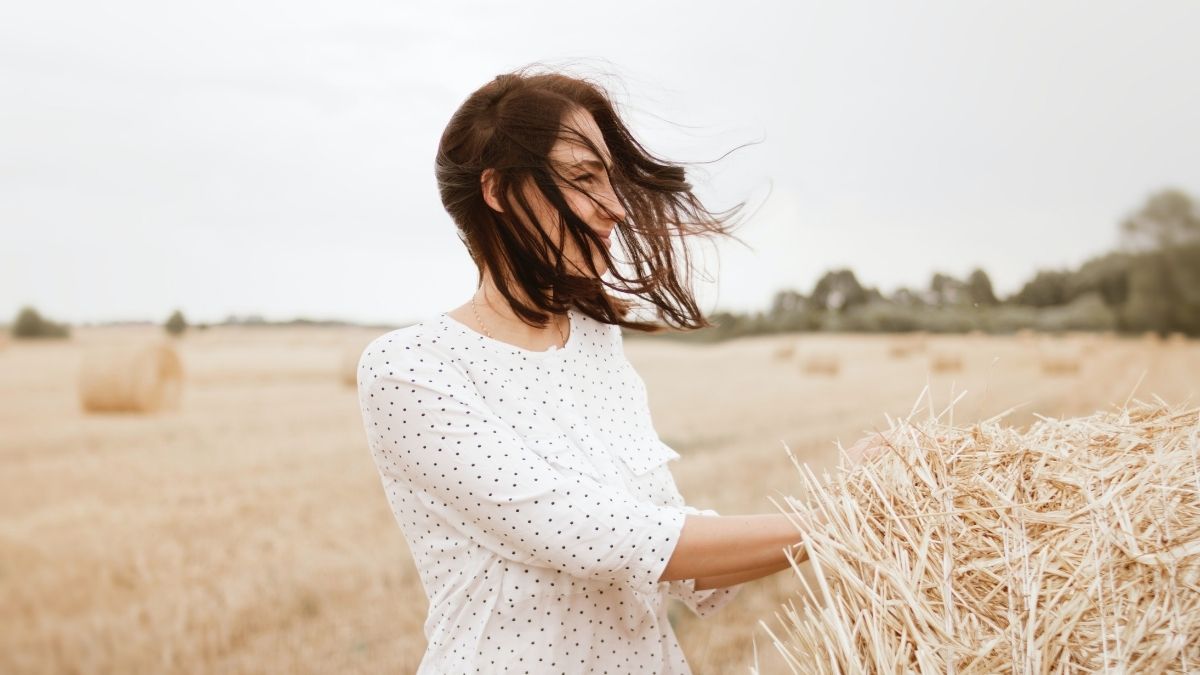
535	497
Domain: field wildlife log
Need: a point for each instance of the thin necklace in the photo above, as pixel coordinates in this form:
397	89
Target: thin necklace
489	333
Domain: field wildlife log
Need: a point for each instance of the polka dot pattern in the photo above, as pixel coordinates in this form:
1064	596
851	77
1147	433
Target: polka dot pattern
535	496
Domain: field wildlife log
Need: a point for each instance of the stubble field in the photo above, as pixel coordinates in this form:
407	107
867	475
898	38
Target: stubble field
247	532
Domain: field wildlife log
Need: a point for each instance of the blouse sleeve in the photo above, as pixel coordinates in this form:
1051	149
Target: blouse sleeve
430	429
704	602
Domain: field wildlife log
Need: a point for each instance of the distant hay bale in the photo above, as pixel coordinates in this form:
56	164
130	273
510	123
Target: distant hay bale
945	361
906	345
137	377
1025	335
1151	338
1071	547
1177	339
822	364
784	352
1059	362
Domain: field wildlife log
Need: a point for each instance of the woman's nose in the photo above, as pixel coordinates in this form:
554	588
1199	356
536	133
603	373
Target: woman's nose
613	204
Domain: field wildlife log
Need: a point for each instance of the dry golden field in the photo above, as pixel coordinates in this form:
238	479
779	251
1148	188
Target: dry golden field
247	532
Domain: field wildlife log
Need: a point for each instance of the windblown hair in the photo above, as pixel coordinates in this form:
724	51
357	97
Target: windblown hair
509	125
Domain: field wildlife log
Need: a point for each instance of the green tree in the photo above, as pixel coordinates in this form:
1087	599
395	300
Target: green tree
979	289
1046	289
1182	264
1163	282
787	302
1149	304
31	324
838	290
1107	275
1168	218
176	324
946	290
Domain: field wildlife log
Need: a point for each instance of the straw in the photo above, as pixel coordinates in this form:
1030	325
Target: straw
1073	546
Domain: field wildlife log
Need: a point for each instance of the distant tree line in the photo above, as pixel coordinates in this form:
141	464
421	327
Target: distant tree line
1150	283
30	324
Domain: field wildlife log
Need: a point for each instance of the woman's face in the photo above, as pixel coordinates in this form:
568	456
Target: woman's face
582	174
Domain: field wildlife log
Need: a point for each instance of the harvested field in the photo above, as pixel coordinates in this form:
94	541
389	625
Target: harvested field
246	531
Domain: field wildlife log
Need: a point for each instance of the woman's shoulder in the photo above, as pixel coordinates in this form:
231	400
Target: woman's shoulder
415	335
599	334
421	342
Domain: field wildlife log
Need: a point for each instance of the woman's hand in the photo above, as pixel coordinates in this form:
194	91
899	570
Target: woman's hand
866	449
871	446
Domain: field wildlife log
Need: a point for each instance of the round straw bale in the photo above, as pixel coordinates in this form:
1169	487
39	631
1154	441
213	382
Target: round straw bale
905	345
822	364
899	350
1059	360
784	351
131	377
1071	547
1177	339
945	361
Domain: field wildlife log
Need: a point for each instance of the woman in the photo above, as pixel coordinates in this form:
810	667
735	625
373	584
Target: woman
513	437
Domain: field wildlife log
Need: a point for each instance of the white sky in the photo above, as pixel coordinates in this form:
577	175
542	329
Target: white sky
277	157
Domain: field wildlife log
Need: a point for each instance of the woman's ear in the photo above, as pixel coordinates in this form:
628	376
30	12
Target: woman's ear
487	182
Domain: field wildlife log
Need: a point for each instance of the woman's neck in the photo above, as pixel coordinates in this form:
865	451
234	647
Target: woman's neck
496	316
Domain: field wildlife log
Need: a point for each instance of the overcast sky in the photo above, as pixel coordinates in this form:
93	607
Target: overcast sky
276	158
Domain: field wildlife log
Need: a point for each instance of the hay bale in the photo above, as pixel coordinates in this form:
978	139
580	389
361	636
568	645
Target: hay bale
1059	360
822	364
1060	364
945	361
1177	340
906	345
1071	547
784	352
130	377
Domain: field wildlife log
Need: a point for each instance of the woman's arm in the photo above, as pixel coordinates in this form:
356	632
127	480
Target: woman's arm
725	580
732	546
722	551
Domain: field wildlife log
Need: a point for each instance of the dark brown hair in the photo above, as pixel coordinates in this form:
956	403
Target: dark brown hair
510	125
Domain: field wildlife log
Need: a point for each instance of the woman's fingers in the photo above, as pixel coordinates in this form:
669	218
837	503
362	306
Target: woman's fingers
866	448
